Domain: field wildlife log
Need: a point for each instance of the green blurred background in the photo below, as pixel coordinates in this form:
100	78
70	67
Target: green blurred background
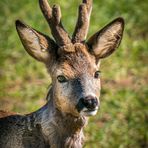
121	122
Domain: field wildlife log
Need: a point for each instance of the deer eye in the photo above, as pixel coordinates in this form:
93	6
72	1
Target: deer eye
97	74
61	79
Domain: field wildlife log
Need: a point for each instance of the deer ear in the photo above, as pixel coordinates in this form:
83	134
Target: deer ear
36	44
104	42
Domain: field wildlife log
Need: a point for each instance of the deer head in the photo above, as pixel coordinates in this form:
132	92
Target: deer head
73	63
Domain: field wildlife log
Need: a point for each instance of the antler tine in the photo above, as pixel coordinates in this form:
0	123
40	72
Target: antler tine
88	6
53	17
82	25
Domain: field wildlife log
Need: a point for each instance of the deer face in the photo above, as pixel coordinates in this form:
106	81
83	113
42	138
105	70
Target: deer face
76	82
72	63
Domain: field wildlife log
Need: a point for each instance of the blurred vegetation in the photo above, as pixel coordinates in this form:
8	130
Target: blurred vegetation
121	122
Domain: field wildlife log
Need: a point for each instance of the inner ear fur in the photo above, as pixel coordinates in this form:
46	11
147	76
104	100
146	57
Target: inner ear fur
104	42
38	45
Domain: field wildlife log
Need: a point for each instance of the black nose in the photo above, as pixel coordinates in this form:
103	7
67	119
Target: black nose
89	102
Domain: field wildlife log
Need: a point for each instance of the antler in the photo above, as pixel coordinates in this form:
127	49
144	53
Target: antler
53	17
82	25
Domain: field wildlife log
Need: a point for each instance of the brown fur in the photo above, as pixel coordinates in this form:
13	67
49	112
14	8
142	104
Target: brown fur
84	60
6	113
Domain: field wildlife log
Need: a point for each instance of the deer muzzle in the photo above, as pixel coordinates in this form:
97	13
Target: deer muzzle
88	106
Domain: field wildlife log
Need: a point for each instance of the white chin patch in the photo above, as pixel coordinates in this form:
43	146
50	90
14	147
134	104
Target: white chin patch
86	112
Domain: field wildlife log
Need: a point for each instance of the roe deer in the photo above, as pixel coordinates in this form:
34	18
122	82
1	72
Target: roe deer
73	64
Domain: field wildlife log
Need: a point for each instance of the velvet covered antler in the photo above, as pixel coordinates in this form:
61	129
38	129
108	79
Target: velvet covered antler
101	44
53	17
82	25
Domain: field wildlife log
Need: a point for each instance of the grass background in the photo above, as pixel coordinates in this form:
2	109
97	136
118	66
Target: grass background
121	122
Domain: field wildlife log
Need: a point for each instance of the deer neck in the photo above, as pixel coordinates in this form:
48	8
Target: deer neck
59	129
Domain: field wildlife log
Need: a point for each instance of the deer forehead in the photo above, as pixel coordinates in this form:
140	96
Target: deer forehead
76	62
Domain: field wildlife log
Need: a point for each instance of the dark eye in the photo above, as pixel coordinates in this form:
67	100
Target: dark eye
97	74
61	79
